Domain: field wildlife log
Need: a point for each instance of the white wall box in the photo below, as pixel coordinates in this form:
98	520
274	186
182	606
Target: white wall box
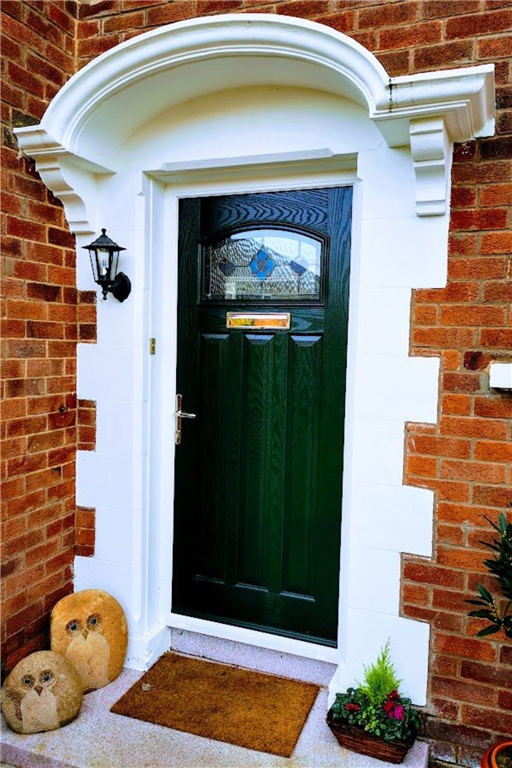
500	376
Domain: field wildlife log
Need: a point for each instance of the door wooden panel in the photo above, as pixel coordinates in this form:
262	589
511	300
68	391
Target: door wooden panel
301	469
259	471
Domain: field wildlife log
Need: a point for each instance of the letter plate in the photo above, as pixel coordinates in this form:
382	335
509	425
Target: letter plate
258	320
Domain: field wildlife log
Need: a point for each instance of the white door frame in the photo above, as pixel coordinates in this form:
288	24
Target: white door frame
268	174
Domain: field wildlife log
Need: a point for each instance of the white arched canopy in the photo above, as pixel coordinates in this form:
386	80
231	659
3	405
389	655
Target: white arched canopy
106	102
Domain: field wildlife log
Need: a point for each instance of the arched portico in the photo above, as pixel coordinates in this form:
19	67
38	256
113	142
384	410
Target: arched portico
207	107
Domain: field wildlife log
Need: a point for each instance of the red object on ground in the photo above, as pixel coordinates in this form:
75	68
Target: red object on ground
489	758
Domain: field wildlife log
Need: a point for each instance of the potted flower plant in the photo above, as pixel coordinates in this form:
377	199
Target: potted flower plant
375	719
498	614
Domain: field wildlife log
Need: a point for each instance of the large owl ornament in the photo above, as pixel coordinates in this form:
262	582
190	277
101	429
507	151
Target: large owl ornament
42	693
89	628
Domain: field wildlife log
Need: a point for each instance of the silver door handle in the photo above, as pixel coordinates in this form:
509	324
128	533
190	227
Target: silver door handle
179	416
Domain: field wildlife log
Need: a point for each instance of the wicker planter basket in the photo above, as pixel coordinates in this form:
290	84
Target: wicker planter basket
358	740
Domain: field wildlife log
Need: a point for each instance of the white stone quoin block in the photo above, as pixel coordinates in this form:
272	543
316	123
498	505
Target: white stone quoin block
374	579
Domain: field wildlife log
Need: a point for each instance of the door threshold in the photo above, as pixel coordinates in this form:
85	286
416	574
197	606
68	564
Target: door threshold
255	638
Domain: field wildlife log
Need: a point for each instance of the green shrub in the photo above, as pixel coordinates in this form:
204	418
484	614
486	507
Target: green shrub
500	565
380	679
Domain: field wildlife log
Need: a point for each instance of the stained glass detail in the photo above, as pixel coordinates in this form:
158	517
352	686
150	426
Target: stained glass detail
263	264
227	268
297	268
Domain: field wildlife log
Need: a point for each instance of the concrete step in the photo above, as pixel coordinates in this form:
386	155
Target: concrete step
100	739
252	657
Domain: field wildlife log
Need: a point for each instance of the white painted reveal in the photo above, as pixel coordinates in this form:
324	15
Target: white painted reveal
232	104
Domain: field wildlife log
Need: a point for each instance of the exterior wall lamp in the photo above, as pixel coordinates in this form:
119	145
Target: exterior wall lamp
104	256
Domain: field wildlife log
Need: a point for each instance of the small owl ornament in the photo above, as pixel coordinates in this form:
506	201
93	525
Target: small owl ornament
42	693
89	628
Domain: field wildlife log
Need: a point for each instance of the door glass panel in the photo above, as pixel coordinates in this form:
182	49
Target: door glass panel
263	264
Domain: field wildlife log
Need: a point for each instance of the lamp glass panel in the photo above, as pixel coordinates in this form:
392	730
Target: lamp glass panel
113	265
103	257
94	264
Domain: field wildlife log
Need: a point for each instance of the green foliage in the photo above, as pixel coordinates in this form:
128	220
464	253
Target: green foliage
376	704
400	722
500	565
380	678
348	707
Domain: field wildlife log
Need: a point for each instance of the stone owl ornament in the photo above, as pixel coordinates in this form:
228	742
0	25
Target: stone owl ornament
42	693
89	628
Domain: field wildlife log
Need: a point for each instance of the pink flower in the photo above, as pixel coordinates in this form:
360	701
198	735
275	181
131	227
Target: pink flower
350	707
392	706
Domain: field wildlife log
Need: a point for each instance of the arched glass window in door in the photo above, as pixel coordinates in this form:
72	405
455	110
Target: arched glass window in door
263	265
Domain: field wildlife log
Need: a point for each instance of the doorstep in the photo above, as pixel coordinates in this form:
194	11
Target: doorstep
252	657
100	739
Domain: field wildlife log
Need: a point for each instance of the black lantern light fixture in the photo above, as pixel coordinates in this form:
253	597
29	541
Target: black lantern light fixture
104	256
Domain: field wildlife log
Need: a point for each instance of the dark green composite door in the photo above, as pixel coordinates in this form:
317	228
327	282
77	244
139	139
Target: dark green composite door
259	470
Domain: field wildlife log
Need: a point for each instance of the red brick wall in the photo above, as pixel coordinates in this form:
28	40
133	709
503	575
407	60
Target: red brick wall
40	327
465	457
85	531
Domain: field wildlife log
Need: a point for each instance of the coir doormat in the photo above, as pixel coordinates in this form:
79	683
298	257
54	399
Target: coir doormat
221	702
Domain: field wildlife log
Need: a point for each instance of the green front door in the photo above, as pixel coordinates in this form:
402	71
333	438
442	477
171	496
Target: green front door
262	336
